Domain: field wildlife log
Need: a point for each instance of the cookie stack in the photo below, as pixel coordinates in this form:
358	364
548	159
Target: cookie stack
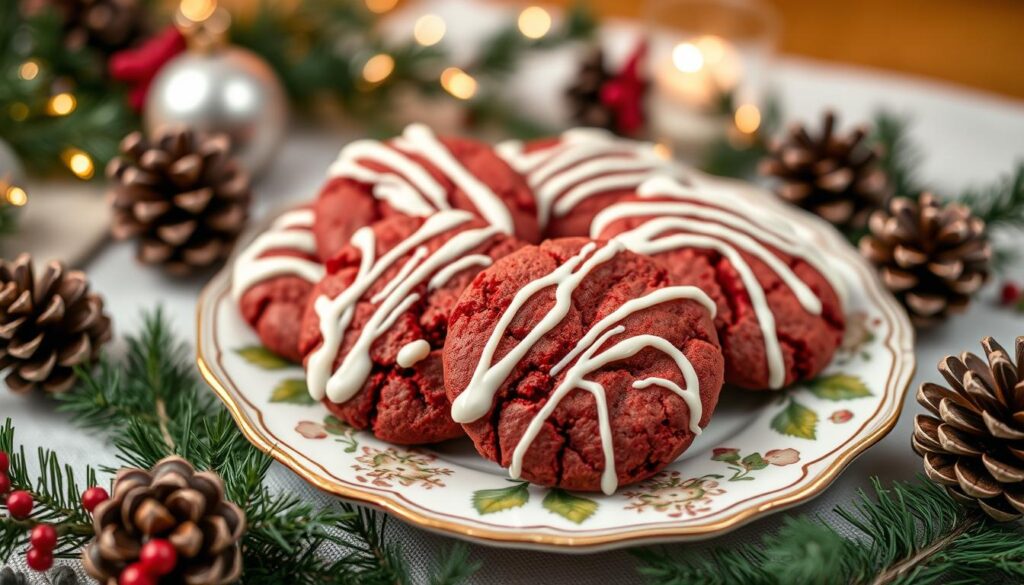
574	305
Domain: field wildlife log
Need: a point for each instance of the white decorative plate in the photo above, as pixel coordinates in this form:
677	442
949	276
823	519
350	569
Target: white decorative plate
762	452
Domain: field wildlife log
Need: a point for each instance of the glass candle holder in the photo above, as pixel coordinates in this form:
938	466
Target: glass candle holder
708	60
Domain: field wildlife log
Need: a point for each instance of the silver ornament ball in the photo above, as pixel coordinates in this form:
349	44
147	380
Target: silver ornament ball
226	89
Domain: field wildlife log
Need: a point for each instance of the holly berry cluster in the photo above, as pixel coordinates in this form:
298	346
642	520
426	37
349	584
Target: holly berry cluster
1011	295
43	537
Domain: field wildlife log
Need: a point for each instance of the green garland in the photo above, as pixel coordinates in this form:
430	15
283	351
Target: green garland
150	405
317	48
910	533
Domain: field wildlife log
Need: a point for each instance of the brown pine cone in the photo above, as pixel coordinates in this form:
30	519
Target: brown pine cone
175	503
932	257
976	445
182	195
584	95
108	25
47	325
831	175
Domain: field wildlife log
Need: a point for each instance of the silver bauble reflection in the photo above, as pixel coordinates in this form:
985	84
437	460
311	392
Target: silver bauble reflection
226	89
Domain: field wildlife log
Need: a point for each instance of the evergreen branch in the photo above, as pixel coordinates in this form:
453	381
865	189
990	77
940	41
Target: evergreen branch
499	55
455	567
8	217
1000	205
56	494
908	533
899	157
287	539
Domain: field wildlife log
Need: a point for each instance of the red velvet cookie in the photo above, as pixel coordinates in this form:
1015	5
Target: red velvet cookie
374	326
779	317
272	278
580	364
418	174
581	172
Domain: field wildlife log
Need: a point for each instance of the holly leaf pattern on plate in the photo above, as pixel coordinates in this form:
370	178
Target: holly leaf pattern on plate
292	391
258	355
796	420
571	507
499	499
839	387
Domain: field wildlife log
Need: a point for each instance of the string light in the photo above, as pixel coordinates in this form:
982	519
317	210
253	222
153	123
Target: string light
378	68
687	57
748	118
61	104
458	83
16	196
79	162
28	70
429	30
662	150
380	6
198	10
534	22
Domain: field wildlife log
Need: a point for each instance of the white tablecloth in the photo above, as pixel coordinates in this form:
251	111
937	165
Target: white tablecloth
966	137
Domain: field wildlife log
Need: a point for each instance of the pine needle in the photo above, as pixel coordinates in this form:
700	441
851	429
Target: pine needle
899	156
909	533
1000	205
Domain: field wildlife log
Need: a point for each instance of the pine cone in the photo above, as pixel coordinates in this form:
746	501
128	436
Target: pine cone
584	95
182	194
172	502
974	447
108	25
9	576
932	257
47	325
833	176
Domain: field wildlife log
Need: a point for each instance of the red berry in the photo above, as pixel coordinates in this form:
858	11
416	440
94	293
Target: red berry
1010	293
5	462
5	483
19	504
93	497
135	574
44	537
39	560
158	557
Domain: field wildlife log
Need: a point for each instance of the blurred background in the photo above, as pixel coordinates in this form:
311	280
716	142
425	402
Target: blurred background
977	43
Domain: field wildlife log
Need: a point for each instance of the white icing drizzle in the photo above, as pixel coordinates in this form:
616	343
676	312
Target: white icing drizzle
696	221
394	299
413	353
585	162
477	398
448	272
291	231
412	189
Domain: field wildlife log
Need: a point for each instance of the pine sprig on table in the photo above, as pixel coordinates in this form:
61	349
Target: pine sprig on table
899	156
151	405
908	533
1000	205
56	493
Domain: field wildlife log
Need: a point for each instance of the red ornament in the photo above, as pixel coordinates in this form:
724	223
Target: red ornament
39	560
624	94
5	462
44	537
138	66
158	557
93	497
1010	293
5	483
135	574
19	504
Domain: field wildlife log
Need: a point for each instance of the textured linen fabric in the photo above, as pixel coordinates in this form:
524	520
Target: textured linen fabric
967	138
